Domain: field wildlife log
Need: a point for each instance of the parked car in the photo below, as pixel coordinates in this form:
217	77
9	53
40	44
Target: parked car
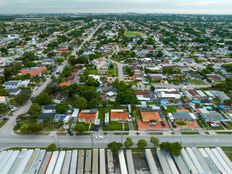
174	125
70	133
58	126
214	125
5	118
14	109
224	124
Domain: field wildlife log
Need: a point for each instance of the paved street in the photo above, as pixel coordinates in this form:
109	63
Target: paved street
76	49
85	141
120	70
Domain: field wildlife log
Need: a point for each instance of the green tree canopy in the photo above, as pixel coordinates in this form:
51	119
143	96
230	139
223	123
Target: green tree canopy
80	128
81	103
125	95
142	144
52	147
173	148
3	108
128	143
43	99
115	146
31	128
34	110
92	82
3	92
61	108
154	140
22	97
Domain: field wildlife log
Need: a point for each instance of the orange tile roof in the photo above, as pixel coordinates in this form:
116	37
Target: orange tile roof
35	71
150	115
87	116
119	115
140	92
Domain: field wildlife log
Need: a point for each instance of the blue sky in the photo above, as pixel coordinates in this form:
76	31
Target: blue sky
117	6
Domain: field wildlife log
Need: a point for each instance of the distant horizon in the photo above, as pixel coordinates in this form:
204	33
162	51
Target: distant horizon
105	13
211	7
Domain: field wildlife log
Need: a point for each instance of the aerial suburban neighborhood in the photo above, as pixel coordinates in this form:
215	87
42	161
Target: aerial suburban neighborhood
83	83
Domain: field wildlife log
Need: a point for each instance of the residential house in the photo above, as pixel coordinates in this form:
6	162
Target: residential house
48	112
3	99
220	95
88	116
215	77
210	116
183	116
151	116
152	119
143	95
33	72
192	94
119	115
168	94
101	66
13	84
157	77
138	75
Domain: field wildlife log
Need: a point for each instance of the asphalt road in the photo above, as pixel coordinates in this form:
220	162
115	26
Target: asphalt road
120	70
86	142
76	49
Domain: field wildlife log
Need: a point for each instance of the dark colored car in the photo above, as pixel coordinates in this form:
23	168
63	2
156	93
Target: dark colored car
224	124
70	133
174	125
58	126
5	118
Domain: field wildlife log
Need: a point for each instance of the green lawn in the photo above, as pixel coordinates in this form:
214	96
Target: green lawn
230	156
224	132
170	109
202	123
132	83
229	126
218	128
111	72
180	123
85	124
228	152
114	126
197	82
92	71
216	101
190	133
2	123
132	33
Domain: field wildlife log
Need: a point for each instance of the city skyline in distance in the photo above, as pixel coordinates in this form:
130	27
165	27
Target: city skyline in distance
120	6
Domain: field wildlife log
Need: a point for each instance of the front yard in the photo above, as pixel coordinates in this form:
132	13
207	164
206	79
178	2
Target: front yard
116	126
